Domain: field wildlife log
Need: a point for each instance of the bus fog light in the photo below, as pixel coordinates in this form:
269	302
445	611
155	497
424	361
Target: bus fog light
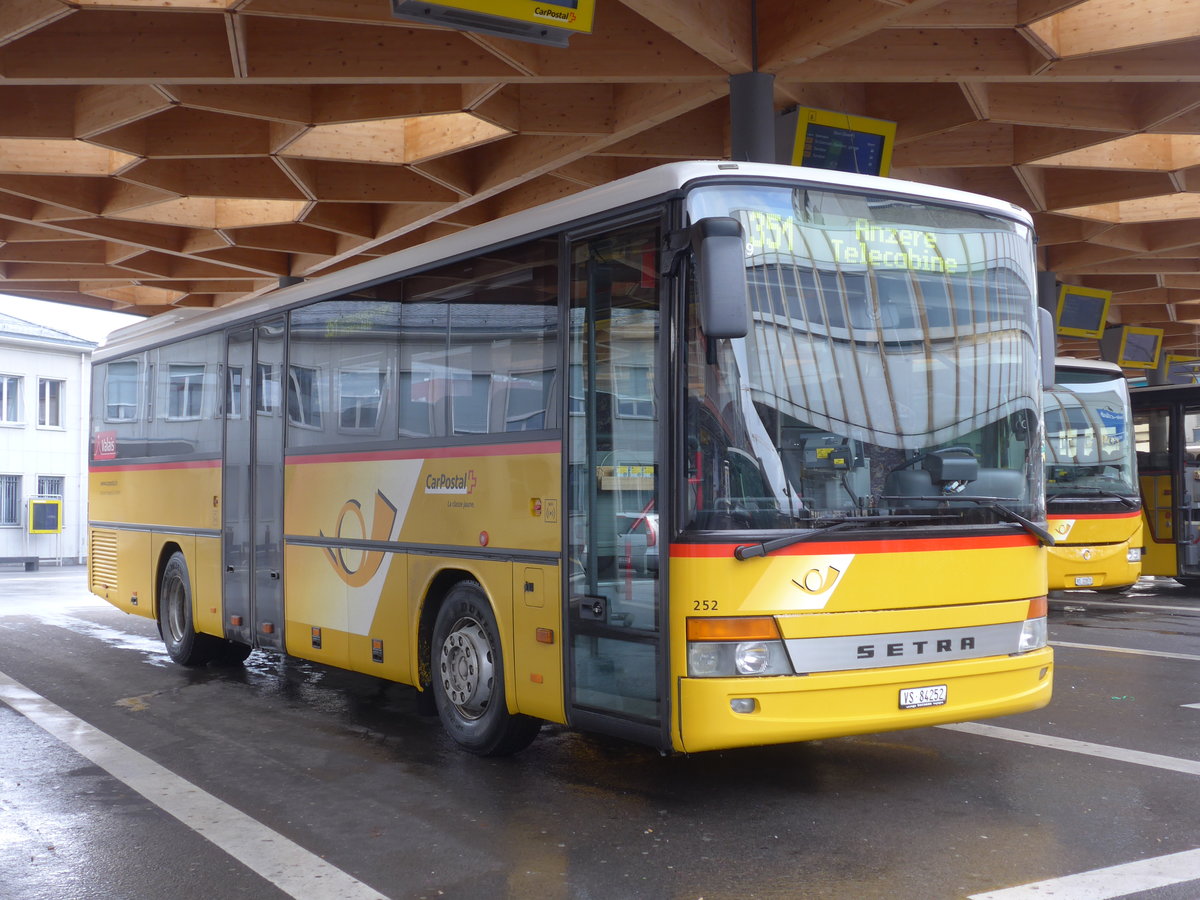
743	704
1134	554
1033	635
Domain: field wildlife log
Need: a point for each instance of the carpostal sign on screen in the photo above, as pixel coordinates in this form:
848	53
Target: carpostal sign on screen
866	243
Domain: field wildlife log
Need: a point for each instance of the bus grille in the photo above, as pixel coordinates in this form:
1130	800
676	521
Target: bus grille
102	560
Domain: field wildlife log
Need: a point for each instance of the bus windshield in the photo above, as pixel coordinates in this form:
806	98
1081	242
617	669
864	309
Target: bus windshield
890	371
1089	445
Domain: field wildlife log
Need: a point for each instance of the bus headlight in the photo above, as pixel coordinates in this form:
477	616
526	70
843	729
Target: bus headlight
1133	554
726	659
1033	635
727	647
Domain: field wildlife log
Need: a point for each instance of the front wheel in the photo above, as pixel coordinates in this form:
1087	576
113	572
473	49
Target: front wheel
468	677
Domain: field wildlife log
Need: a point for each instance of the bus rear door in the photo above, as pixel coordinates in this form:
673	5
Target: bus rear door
253	485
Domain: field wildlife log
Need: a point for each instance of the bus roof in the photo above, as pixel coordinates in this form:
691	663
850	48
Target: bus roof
661	181
1088	365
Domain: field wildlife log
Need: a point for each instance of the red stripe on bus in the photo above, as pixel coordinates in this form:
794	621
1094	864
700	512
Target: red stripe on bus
152	466
1121	515
428	453
812	548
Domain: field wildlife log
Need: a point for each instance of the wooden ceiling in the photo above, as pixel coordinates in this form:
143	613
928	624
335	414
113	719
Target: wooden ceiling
194	152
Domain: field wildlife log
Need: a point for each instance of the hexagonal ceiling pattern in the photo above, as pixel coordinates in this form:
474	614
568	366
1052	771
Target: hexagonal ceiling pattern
170	153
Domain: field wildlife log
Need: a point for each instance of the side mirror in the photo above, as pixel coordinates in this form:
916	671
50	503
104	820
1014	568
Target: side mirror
1046	346
721	277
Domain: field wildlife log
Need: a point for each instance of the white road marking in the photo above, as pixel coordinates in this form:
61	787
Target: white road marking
1119	604
1087	748
1113	881
1191	706
285	864
1191	657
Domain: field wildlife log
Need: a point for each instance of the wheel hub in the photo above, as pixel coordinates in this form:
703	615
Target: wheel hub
466	668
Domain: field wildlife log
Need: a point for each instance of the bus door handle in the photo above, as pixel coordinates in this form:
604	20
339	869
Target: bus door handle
592	606
275	576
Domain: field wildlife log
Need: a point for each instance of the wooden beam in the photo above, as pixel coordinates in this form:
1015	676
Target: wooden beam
903	54
1031	144
1097	107
367	183
37	111
114	44
583	109
258	177
699	134
719	30
1073	188
980	144
345	51
1101	26
101	108
919	110
791	33
19	18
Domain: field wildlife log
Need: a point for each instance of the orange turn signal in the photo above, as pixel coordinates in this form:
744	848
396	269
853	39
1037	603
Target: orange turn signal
1037	608
733	628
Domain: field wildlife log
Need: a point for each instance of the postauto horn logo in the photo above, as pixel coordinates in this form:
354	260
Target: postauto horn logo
352	524
450	482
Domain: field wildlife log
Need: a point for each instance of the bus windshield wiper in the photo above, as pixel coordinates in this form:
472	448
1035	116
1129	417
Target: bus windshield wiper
821	526
994	503
1099	492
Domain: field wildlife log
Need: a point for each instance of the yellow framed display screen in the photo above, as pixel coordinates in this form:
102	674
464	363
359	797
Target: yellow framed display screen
45	517
1139	347
540	21
840	141
1180	369
1082	311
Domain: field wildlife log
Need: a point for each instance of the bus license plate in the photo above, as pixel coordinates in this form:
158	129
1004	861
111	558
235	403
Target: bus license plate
915	698
1084	581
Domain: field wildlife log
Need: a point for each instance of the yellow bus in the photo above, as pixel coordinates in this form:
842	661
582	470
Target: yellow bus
717	455
1167	434
1093	508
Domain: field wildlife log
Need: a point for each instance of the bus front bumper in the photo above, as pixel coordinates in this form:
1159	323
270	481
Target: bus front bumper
789	708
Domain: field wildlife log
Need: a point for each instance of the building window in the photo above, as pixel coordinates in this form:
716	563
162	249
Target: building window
10	399
50	393
185	391
50	486
304	396
10	499
361	395
121	391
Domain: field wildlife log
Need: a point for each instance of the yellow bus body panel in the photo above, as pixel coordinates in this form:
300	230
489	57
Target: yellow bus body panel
1095	547
367	601
160	506
857	702
1161	555
857	588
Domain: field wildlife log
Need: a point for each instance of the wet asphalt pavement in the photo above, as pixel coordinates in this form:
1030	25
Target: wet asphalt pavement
288	779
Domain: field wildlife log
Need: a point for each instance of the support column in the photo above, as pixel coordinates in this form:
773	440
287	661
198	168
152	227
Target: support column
752	117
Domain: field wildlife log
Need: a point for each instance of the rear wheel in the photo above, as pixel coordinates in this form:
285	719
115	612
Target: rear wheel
184	645
468	677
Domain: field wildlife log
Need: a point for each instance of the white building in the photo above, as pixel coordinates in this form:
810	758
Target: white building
45	378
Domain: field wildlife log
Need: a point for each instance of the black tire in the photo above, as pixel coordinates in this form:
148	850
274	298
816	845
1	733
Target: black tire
468	677
184	645
231	653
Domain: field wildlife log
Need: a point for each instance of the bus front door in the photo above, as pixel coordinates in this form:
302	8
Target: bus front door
615	618
1187	513
253	485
